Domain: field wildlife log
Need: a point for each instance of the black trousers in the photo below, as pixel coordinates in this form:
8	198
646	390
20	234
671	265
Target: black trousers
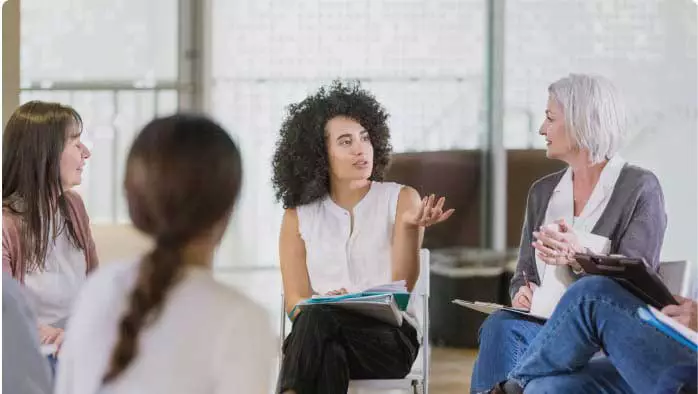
328	346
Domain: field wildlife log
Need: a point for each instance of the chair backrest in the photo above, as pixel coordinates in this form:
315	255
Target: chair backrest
420	297
421	288
424	271
676	276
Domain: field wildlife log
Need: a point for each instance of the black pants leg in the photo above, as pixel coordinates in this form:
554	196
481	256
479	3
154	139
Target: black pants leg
328	346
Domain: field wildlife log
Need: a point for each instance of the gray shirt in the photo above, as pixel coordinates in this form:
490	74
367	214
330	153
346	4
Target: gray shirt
634	220
24	369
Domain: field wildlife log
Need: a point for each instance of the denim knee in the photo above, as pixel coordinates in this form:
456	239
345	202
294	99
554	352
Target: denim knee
492	327
497	327
593	284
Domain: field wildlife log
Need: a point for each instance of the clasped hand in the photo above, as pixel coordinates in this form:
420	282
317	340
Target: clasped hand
557	244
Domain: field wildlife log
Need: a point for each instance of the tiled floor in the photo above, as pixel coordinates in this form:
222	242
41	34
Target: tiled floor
450	370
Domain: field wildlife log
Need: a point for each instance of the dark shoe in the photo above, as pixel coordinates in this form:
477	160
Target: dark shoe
505	387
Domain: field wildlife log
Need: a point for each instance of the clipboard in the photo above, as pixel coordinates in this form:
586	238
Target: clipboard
489	308
632	274
380	306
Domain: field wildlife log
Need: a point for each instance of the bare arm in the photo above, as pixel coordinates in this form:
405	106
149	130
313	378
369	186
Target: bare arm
294	271
407	239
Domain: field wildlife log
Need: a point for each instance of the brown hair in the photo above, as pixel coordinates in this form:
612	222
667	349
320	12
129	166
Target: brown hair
32	142
183	175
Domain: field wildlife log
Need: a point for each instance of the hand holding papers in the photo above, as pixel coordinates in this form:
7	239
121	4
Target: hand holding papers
385	302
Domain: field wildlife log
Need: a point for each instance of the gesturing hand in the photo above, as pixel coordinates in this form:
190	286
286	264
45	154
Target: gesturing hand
429	213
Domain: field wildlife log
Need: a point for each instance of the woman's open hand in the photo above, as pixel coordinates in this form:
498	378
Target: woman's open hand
429	213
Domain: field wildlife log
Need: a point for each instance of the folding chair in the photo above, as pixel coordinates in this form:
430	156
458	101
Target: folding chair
418	379
676	275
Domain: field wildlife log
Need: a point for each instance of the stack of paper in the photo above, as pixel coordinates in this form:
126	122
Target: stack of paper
399	286
384	302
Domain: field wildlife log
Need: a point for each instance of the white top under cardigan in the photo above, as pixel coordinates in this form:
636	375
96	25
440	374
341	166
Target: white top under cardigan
556	279
208	338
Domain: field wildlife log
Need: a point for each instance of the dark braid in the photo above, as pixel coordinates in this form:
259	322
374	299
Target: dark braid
159	272
182	176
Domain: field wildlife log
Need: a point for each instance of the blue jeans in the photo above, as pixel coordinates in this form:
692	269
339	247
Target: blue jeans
597	313
598	376
678	379
504	337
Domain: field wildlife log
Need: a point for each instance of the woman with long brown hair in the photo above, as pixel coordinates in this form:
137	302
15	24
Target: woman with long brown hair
163	324
46	240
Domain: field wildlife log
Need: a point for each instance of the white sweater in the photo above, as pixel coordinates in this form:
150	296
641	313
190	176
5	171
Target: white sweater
208	339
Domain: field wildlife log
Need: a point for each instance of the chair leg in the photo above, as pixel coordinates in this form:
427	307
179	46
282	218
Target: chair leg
418	387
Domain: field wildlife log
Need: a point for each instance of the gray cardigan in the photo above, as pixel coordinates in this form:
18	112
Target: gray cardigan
634	220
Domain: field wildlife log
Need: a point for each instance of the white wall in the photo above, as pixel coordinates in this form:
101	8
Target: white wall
648	48
269	53
98	42
670	152
424	60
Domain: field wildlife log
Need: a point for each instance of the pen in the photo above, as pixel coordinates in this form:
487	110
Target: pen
525	279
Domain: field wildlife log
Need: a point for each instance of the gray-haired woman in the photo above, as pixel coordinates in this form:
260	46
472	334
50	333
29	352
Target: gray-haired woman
598	204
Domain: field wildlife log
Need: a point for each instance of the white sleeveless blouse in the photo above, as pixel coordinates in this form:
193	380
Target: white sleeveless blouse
336	257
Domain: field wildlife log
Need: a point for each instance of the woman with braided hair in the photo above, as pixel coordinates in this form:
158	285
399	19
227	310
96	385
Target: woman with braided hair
162	324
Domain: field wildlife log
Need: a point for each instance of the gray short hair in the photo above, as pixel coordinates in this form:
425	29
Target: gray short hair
594	113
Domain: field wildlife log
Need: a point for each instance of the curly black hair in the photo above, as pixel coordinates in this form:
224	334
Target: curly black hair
300	163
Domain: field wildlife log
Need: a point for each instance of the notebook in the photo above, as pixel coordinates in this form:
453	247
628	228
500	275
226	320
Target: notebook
489	308
385	302
669	326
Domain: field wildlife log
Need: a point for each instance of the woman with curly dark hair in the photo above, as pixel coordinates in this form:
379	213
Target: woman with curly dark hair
344	230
